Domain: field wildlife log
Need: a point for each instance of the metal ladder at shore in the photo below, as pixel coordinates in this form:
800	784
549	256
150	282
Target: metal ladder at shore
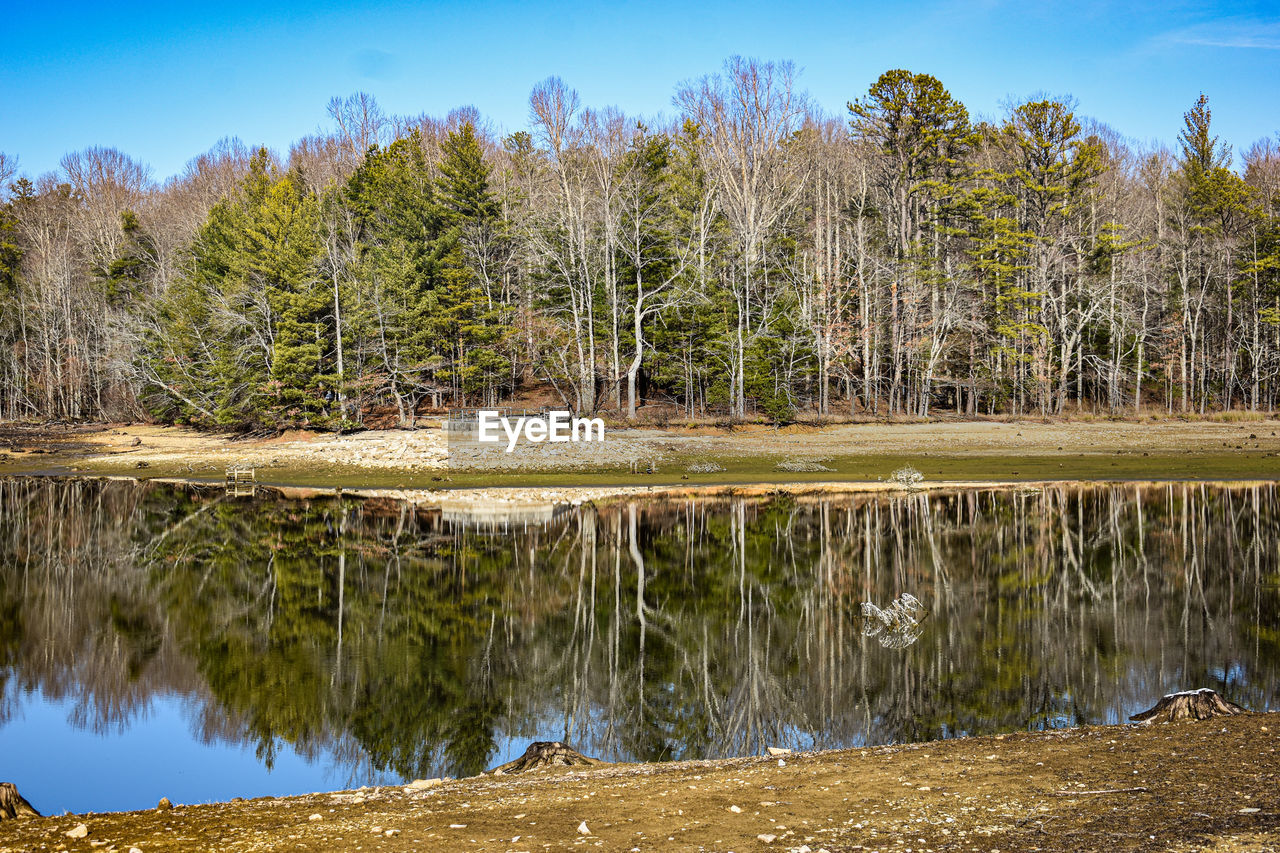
242	481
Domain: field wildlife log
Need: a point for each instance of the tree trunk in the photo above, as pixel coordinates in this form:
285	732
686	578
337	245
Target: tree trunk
13	805
542	753
1189	705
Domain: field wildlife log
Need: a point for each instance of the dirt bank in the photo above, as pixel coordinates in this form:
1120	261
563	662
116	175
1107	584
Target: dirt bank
1212	785
851	453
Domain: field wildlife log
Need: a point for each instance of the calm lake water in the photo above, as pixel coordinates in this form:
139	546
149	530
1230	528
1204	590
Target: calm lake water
164	641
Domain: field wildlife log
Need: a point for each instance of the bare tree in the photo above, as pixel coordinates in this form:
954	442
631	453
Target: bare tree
748	113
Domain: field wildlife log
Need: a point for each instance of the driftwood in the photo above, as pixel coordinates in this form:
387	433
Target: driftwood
544	753
896	626
14	805
1189	705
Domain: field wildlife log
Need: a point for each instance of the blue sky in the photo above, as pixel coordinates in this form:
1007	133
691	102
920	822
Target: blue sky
164	81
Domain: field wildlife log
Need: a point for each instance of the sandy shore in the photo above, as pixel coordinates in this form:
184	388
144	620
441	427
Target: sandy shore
1211	785
425	449
854	455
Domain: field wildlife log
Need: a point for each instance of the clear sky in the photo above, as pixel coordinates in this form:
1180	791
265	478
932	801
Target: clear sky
164	81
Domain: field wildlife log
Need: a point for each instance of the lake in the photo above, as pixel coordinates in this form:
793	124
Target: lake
158	640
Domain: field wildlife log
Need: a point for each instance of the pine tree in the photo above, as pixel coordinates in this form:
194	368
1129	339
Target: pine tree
463	185
465	317
281	249
242	336
398	230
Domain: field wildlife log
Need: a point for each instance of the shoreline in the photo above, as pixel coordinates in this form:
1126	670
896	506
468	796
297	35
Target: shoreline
520	496
1123	787
835	459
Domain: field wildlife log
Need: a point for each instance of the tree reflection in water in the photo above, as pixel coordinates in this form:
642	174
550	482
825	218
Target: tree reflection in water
401	643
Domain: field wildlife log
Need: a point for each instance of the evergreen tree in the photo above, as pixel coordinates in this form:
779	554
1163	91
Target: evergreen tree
280	252
399	225
242	337
465	316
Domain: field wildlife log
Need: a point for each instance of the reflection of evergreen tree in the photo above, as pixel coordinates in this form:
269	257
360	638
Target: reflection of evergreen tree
717	627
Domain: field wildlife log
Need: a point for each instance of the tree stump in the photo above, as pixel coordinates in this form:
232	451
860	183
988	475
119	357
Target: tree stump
544	753
1189	705
14	805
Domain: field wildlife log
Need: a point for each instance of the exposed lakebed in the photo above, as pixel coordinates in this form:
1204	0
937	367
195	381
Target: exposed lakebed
158	640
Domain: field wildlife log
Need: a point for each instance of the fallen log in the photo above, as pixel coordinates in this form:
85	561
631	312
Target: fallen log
13	805
544	753
1199	704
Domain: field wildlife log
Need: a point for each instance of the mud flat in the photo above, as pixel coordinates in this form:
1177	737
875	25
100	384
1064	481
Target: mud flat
1210	785
645	459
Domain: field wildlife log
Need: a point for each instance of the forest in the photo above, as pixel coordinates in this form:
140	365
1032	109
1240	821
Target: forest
750	256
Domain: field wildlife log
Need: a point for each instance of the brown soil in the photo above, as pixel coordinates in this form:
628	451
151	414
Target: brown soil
176	451
1210	785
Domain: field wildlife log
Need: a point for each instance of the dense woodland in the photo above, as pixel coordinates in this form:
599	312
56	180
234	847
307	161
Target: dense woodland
750	256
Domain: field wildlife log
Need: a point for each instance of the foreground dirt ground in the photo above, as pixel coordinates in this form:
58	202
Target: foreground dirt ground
1211	785
948	450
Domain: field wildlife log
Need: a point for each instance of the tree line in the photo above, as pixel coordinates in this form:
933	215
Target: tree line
751	256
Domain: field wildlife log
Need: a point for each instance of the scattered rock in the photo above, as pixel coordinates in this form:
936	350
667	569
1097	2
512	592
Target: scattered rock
80	830
136	442
316	817
802	467
767	838
582	829
735	809
778	750
423	784
164	805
